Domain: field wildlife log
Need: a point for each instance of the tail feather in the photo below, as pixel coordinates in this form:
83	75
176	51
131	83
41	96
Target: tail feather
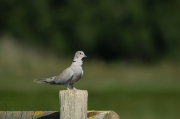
44	80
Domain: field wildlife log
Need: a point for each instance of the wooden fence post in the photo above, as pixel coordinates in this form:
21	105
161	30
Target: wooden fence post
73	104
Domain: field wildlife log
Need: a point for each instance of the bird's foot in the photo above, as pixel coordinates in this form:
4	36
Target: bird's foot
68	88
74	88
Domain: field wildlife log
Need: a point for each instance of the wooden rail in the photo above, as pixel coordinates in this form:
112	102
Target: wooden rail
54	115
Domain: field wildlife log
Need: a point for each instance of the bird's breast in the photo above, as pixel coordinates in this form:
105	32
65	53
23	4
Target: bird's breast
77	73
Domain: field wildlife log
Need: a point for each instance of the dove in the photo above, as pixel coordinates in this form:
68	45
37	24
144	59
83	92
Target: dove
70	75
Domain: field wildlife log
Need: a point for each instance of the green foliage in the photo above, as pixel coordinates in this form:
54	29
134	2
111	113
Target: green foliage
125	29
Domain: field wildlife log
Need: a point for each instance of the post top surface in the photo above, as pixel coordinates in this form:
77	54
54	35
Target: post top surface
73	91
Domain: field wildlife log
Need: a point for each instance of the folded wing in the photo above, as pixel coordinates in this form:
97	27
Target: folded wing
63	77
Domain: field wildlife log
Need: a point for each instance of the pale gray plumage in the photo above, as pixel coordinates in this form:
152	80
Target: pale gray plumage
70	75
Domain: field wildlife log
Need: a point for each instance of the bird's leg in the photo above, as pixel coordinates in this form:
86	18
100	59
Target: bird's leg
74	88
66	85
67	88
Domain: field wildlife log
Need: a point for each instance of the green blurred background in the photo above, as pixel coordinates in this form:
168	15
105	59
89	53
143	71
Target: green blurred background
133	47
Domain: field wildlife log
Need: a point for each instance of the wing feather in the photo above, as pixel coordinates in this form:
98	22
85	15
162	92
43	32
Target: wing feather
63	77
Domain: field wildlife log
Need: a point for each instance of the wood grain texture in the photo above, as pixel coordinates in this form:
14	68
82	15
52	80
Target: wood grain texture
29	115
93	114
73	104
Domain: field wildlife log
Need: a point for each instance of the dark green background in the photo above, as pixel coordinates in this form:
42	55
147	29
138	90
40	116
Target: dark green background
109	29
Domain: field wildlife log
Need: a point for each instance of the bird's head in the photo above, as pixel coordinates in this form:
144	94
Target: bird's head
79	55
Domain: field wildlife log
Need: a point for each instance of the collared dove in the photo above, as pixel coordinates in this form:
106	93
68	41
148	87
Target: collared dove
70	75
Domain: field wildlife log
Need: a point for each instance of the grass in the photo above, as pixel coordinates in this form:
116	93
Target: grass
135	91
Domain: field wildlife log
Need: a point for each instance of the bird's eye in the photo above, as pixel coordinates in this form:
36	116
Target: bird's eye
80	53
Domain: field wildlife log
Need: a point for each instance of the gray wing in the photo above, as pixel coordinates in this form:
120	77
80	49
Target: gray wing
63	77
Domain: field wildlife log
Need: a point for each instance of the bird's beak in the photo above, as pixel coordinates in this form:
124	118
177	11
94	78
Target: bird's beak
85	55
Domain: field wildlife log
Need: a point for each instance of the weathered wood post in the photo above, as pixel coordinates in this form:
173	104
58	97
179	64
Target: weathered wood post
73	104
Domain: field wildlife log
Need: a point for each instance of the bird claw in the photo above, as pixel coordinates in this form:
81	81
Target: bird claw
74	88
